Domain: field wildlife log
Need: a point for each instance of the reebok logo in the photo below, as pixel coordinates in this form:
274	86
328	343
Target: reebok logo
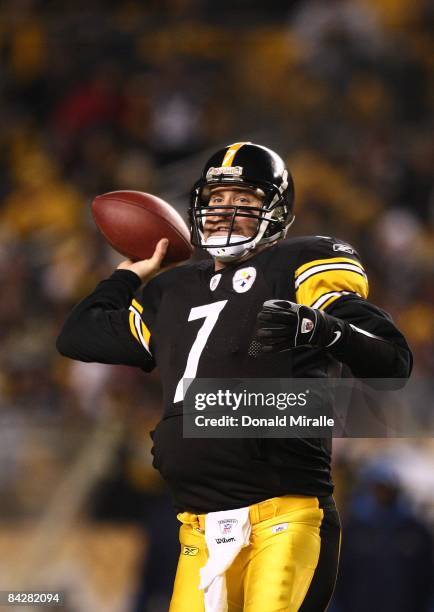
224	540
190	551
345	248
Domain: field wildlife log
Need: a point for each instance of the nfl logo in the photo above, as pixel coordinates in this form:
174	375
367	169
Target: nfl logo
306	326
226	525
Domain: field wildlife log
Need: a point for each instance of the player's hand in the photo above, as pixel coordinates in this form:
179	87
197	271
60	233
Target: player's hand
284	325
147	268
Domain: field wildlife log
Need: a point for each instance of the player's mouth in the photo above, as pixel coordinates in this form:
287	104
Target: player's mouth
220	230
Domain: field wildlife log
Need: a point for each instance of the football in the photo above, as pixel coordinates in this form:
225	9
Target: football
133	222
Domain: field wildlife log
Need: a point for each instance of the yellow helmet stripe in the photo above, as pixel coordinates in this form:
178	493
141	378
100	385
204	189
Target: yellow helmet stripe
230	153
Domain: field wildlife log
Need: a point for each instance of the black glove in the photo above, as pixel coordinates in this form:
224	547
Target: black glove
283	325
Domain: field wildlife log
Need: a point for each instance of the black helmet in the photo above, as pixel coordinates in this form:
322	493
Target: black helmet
255	167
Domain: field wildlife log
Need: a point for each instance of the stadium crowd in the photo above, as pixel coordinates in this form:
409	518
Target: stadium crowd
130	95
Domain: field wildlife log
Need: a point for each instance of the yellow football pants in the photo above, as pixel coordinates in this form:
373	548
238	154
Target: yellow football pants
290	563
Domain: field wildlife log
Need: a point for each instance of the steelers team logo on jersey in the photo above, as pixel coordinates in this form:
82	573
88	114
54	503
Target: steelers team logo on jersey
243	279
213	283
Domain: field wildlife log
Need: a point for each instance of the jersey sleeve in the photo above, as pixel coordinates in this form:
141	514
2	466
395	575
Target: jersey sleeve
138	328
106	326
328	269
374	347
142	314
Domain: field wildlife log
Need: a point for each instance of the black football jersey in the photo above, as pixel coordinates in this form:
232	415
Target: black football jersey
193	322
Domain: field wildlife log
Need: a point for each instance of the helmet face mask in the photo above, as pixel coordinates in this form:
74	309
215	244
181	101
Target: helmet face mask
253	168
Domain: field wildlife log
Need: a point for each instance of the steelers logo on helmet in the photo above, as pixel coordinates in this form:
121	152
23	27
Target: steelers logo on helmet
252	167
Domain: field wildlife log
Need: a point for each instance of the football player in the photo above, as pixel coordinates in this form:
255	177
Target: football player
261	306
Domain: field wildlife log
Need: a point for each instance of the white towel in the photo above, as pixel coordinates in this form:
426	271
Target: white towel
226	533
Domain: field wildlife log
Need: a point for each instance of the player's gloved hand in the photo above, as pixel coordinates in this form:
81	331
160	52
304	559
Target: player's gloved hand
284	325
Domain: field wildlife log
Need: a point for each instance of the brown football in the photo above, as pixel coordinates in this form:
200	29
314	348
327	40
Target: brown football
133	222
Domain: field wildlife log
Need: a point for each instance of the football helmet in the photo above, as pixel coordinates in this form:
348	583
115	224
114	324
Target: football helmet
253	167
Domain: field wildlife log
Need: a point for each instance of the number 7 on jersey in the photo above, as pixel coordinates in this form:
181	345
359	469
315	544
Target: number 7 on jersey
209	312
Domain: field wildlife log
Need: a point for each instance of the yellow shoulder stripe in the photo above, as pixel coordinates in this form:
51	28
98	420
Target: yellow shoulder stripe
328	260
326	299
321	282
330	301
230	153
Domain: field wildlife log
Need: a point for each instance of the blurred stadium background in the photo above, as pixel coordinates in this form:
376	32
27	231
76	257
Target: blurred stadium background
104	95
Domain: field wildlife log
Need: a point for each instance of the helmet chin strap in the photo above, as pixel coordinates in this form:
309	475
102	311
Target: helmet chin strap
233	251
